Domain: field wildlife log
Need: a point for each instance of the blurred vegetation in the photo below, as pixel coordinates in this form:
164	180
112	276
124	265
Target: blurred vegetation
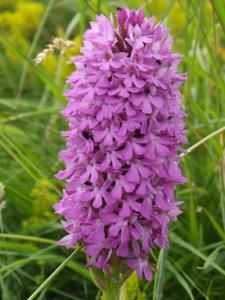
30	124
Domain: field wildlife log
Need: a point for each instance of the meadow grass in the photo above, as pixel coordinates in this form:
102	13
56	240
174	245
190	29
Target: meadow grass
31	97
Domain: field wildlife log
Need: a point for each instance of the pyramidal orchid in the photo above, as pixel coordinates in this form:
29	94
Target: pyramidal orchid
126	127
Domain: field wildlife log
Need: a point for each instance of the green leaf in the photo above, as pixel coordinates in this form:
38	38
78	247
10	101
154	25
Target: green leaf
175	239
160	275
211	258
28	114
181	280
219	8
18	247
27	238
215	224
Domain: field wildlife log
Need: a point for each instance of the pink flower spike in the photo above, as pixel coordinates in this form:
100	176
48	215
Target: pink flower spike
126	129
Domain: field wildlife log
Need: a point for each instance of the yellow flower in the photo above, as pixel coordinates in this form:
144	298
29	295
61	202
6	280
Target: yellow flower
43	198
133	291
158	7
18	21
24	19
31	13
21	42
209	7
7	3
177	17
50	63
73	51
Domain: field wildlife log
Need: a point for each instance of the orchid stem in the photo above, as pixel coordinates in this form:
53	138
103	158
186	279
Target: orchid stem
114	291
111	288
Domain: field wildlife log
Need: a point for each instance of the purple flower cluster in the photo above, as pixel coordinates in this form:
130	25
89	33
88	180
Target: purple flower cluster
126	127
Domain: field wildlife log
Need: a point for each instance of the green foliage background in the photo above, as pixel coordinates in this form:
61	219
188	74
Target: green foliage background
30	125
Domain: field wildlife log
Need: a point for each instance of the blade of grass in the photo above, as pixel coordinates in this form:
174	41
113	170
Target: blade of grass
27	238
222	186
215	224
14	103
21	201
17	264
90	7
194	232
202	141
190	280
5	69
83	18
64	294
28	161
72	24
193	60
28	114
208	124
55	88
177	240
18	247
37	35
49	258
181	280
160	275
42	294
212	59
73	265
219	8
21	262
211	258
7	103
54	274
5	293
214	245
98	7
18	160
